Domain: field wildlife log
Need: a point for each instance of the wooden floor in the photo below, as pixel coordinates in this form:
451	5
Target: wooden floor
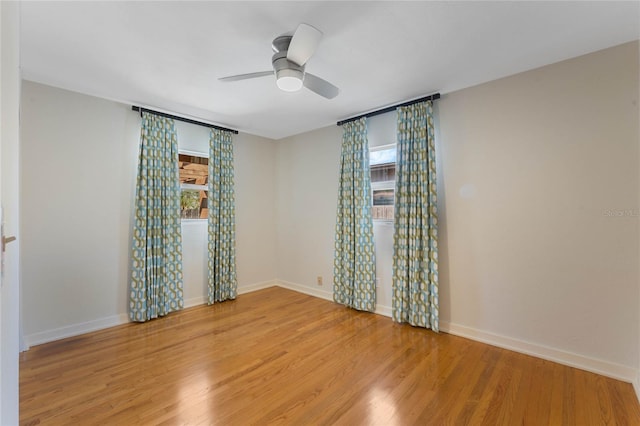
279	357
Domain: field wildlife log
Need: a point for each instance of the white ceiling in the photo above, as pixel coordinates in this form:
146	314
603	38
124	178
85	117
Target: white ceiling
169	55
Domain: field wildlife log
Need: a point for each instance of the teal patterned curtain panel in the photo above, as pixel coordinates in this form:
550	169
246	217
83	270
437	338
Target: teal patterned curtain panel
223	284
156	260
415	238
354	272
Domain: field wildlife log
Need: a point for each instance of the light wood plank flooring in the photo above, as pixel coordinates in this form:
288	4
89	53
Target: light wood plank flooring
279	357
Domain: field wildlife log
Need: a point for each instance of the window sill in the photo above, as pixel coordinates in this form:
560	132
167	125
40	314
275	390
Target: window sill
192	221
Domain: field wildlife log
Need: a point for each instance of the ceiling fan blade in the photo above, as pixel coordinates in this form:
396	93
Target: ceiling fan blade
320	86
303	44
246	76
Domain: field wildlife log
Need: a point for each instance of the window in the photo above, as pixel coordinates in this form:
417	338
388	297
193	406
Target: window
194	180
382	162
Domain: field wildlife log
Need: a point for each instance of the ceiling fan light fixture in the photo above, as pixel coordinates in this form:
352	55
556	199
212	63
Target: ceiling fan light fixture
289	80
289	60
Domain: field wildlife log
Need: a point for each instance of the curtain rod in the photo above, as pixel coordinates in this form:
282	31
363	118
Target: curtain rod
390	108
186	120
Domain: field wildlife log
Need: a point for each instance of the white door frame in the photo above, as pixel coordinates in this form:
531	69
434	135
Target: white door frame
9	197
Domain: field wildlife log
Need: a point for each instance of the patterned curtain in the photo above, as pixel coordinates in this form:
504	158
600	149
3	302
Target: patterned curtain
222	223
354	271
415	238
156	260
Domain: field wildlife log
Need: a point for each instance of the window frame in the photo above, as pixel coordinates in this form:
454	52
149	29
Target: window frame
191	186
383	185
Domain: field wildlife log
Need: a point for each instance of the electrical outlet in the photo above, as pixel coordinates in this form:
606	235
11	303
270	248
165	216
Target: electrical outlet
377	282
319	279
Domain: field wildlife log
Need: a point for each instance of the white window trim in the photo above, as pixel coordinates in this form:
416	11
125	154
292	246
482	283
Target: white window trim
193	153
388	184
382	147
194	187
190	186
193	221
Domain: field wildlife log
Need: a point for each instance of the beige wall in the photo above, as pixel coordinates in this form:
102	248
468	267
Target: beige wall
541	206
79	159
78	169
538	205
307	183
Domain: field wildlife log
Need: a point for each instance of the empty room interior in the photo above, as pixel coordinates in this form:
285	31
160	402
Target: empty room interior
388	213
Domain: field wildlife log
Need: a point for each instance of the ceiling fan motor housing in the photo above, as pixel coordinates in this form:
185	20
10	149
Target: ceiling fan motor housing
289	75
281	43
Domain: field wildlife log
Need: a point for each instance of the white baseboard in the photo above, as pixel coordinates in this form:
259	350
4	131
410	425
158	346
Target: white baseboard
324	294
75	329
593	365
242	289
605	368
316	292
597	366
102	323
194	301
256	286
384	311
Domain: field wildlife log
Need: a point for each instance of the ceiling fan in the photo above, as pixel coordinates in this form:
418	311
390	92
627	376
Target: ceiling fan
291	55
